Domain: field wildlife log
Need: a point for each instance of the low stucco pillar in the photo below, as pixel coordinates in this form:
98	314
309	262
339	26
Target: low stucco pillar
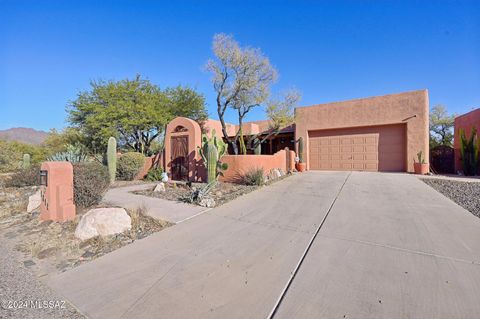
56	180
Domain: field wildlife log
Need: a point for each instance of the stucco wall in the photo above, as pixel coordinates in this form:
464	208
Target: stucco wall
150	161
466	122
410	108
240	164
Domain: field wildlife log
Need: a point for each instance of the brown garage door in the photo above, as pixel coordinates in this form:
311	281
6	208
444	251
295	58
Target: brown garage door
376	148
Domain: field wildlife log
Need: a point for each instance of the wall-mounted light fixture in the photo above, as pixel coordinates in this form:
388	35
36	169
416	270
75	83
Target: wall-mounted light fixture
410	117
44	178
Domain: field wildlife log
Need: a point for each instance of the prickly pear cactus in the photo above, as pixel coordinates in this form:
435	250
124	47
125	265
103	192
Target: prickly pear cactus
112	158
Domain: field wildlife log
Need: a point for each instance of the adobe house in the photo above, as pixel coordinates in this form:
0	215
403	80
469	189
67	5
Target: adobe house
465	121
382	133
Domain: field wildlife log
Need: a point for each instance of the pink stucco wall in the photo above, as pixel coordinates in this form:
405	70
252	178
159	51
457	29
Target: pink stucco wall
409	108
467	122
57	196
150	161
240	164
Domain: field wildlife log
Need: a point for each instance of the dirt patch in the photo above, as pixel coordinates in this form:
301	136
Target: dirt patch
221	193
14	200
51	247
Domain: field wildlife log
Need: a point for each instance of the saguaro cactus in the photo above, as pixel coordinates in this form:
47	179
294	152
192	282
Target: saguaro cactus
26	161
300	149
112	158
212	150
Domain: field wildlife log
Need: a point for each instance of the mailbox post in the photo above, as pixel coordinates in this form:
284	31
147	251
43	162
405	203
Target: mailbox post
56	180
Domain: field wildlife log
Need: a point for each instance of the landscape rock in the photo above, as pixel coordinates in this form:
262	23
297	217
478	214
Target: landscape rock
159	188
103	222
207	202
34	201
275	174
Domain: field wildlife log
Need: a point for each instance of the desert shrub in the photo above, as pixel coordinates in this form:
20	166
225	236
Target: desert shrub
154	174
129	165
9	158
90	182
24	177
254	176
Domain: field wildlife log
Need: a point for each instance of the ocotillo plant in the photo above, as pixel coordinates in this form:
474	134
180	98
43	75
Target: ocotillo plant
300	149
112	158
212	150
469	148
26	161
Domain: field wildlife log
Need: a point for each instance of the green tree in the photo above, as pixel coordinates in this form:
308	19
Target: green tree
186	102
133	111
441	126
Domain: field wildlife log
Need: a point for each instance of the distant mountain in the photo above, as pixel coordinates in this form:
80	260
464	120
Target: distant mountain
23	134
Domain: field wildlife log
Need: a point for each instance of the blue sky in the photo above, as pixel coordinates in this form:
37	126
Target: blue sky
329	50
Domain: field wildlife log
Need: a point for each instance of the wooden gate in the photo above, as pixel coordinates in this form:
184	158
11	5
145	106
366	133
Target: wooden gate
179	157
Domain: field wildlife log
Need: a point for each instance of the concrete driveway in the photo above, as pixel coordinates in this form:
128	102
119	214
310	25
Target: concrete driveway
390	247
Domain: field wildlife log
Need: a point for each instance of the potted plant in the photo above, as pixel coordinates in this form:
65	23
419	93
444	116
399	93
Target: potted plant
421	167
300	165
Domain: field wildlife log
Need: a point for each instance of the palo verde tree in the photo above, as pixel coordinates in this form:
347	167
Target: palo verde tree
135	112
280	113
241	78
441	126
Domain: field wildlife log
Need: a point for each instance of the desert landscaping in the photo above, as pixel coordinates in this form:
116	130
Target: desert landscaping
239	160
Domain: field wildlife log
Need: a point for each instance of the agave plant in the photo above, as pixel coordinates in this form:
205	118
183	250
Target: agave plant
72	154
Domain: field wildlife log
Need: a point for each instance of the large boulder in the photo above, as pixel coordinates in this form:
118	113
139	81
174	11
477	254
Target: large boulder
34	201
103	222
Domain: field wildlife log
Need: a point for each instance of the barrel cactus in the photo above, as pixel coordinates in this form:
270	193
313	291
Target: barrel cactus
300	149
26	161
112	158
211	151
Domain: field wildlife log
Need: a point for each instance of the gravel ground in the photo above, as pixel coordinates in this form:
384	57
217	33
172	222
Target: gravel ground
19	284
465	194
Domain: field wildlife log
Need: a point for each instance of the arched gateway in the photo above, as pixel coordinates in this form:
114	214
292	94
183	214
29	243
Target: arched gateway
182	161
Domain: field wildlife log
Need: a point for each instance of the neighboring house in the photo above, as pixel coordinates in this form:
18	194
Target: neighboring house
466	121
382	133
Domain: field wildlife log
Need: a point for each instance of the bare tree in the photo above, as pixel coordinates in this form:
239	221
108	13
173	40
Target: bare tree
241	78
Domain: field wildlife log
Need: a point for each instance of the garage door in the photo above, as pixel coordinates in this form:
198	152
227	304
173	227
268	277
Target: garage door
378	148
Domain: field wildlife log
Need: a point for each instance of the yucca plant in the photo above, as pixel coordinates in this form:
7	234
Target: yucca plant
254	177
469	152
